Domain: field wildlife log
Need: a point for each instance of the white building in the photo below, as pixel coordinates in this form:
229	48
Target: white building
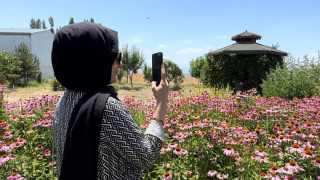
39	42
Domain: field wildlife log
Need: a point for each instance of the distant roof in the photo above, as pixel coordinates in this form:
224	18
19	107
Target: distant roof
246	35
249	48
17	31
246	44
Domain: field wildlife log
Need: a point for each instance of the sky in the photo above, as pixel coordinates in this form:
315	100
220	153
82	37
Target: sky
182	29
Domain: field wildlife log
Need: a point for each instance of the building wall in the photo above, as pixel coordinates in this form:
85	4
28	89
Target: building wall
41	46
10	42
39	43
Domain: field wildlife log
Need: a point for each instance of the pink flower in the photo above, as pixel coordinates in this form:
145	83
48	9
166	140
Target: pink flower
273	176
47	152
229	151
52	163
222	176
30	131
260	152
317	162
212	173
39	147
7	136
179	151
286	170
22	141
261	159
289	178
15	176
166	165
241	169
173	145
167	176
187	172
144	125
294	167
209	145
171	130
165	148
46	123
295	148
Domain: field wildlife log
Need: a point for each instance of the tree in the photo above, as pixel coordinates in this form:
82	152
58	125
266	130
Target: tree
120	74
71	21
44	25
33	24
51	22
132	60
125	60
174	73
91	20
232	69
198	69
147	73
28	63
38	24
9	69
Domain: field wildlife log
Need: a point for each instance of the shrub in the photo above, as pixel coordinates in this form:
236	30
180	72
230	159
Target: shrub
116	86
294	79
56	86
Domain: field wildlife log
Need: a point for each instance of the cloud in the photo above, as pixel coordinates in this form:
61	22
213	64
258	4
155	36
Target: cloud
188	41
162	46
222	37
190	51
137	40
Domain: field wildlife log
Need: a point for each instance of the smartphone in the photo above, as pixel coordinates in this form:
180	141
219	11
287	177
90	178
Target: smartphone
157	60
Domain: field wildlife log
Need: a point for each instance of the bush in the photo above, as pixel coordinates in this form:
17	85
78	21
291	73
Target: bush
116	86
293	80
56	86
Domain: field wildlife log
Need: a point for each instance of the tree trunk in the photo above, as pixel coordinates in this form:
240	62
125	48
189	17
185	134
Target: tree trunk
131	75
127	76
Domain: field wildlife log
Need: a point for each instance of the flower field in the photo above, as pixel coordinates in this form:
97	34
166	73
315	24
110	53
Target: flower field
208	136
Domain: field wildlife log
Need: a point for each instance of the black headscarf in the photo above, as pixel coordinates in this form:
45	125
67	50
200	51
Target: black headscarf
83	54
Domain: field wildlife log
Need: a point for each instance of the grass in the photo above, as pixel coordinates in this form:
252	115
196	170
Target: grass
141	89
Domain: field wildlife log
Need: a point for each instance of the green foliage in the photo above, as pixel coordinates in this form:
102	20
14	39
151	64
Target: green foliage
293	80
56	86
120	74
28	63
71	21
44	26
132	60
51	22
147	73
199	69
116	86
174	73
230	69
9	69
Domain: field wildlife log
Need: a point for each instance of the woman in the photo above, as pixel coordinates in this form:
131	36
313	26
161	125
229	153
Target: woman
95	134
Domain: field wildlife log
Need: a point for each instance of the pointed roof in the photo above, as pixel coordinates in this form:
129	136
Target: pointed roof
246	44
246	35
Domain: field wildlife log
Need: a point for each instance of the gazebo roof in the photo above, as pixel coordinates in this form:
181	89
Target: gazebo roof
249	48
246	44
246	35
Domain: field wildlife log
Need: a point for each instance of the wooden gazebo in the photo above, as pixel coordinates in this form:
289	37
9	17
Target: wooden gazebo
244	68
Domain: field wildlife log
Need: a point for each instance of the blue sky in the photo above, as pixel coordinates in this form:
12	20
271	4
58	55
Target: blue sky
182	30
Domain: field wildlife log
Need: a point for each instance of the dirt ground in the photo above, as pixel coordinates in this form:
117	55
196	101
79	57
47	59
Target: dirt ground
141	90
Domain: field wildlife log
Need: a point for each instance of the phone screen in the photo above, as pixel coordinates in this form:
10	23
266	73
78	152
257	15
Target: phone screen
157	60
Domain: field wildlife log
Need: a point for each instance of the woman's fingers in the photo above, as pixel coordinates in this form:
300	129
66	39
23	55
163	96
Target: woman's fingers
163	74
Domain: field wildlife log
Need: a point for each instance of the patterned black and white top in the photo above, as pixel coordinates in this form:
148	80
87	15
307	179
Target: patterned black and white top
123	149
